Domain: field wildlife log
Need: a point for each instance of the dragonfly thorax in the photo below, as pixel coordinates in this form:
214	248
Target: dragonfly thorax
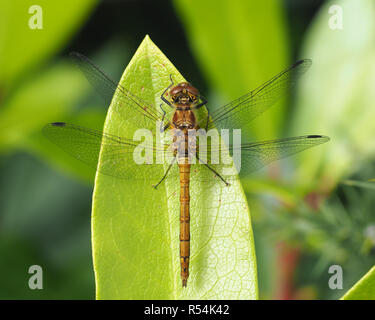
184	119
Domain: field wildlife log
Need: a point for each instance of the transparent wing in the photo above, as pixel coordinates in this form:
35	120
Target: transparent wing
120	157
132	109
253	156
243	110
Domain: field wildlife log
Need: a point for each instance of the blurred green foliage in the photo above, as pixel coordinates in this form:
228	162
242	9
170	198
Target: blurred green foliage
336	97
338	233
23	48
237	45
43	222
35	214
33	91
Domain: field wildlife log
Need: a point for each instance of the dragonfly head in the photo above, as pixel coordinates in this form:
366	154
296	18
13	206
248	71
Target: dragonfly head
184	93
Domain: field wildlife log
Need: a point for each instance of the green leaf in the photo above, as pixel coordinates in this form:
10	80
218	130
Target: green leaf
364	289
22	47
49	96
362	184
136	228
336	97
235	43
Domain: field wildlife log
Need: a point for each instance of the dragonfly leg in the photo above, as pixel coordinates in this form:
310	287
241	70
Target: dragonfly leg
162	95
213	170
203	102
162	129
166	173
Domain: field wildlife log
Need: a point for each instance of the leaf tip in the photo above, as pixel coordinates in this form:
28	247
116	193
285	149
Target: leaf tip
146	39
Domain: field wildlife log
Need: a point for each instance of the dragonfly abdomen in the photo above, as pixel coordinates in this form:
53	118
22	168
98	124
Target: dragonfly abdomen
184	220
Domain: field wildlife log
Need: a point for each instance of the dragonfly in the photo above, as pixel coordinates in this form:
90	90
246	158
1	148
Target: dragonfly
114	155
